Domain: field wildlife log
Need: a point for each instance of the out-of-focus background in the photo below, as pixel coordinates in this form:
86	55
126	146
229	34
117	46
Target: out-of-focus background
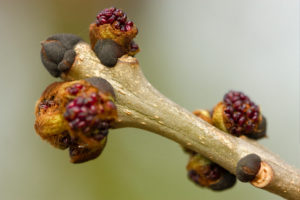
192	51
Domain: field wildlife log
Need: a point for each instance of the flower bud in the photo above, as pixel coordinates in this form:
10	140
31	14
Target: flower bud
238	115
207	174
77	115
112	24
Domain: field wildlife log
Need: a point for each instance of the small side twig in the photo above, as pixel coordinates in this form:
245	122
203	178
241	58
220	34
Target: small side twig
142	106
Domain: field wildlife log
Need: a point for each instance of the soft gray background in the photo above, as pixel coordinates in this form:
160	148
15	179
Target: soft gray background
192	51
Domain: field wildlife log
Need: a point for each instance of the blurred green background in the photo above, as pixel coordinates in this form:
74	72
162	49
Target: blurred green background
192	51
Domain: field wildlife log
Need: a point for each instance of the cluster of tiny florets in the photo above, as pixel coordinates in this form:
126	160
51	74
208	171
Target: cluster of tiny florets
242	113
82	114
116	17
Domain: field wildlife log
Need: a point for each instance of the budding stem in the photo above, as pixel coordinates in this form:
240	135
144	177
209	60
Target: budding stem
140	105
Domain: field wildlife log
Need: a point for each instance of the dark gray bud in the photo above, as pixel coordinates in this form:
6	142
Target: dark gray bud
57	53
49	65
108	52
248	167
67	61
66	39
54	50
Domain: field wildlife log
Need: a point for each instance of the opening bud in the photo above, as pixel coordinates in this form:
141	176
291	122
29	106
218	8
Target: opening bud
112	24
207	174
239	115
76	115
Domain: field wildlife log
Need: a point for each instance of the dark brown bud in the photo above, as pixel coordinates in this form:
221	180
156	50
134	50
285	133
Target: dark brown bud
57	53
248	167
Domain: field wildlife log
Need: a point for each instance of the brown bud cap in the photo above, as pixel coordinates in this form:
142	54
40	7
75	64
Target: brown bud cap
77	115
248	167
238	115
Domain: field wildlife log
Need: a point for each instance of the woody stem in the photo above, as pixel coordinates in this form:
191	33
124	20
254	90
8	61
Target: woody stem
140	105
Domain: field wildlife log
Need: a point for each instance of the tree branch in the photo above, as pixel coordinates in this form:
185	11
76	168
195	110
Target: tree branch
142	106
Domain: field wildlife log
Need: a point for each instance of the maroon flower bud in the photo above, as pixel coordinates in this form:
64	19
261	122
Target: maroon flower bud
113	24
77	115
239	115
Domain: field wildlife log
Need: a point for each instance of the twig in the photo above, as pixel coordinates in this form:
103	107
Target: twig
142	106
